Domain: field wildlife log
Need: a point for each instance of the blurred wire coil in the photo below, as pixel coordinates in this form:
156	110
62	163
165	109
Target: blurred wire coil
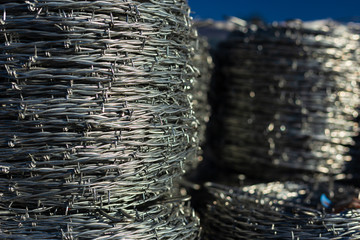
203	62
286	98
275	211
214	31
354	167
96	119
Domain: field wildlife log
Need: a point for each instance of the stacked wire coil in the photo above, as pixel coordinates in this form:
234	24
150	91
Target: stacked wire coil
96	119
275	211
286	98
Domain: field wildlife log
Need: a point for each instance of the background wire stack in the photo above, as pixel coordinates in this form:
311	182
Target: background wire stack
353	169
276	211
286	99
215	31
203	62
96	119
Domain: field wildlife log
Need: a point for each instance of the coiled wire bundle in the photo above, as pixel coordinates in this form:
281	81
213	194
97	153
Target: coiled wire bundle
286	98
96	119
276	211
162	221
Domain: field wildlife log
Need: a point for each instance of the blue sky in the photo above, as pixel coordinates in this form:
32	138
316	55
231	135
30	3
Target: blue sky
276	10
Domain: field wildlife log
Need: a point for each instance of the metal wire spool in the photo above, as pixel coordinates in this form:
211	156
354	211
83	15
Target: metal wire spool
275	211
165	221
286	98
96	119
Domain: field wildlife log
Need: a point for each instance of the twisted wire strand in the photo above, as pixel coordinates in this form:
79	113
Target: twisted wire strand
96	113
170	221
203	62
275	211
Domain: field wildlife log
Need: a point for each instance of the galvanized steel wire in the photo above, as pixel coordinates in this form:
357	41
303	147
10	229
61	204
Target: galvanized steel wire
96	119
203	62
275	211
286	98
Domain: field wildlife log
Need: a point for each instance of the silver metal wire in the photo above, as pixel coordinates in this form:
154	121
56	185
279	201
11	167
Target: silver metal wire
96	119
286	97
203	62
275	211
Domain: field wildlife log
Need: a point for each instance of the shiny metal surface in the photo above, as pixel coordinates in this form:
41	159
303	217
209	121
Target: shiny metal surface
96	121
276	210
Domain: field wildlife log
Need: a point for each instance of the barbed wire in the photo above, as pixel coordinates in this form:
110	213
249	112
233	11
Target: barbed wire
276	210
203	62
96	118
286	98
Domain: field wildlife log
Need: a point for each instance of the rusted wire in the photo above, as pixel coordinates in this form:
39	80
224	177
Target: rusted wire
96	119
